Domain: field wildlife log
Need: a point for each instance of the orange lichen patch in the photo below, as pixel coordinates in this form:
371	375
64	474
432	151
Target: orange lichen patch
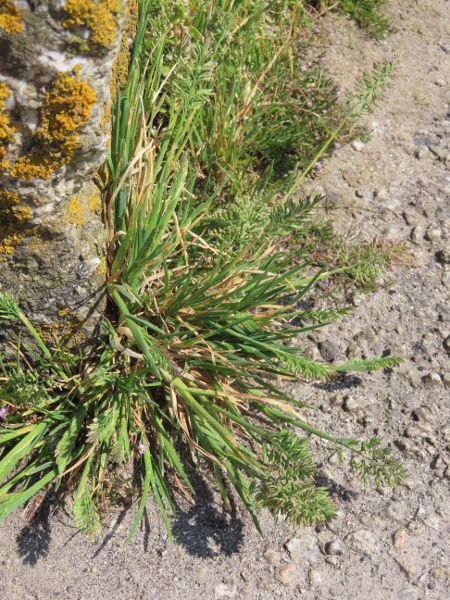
74	212
120	68
10	17
94	203
102	266
66	110
97	17
8	241
68	329
6	131
106	118
12	217
105	123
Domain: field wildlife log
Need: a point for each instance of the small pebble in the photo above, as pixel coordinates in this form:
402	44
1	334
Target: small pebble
411	484
432	380
223	590
358	145
416	528
330	350
411	217
400	538
417	234
337	400
351	403
440	572
381	194
423	413
420	430
336	547
284	574
428	519
334	459
315	577
272	557
363	541
299	546
408	593
407	566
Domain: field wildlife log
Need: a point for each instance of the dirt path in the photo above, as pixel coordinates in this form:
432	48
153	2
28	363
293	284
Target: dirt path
386	544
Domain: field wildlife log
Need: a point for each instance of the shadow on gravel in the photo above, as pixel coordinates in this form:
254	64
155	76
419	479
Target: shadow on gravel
206	529
342	381
33	541
336	490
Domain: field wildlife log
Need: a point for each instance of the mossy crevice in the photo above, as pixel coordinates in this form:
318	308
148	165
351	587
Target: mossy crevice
66	110
6	130
98	18
10	17
13	216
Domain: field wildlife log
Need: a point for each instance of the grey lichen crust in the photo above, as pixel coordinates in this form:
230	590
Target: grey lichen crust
57	60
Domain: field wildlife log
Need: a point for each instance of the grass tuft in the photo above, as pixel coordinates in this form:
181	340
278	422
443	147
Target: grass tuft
202	282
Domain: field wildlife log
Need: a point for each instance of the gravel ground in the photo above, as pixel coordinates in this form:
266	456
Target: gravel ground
388	543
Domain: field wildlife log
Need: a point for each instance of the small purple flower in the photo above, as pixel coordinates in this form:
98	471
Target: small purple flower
304	67
142	448
338	93
321	60
310	103
338	145
319	165
317	30
325	112
4	412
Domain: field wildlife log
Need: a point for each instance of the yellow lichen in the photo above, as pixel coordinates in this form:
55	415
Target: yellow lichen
98	18
94	203
120	68
6	131
66	110
10	17
12	216
74	212
102	266
106	118
68	329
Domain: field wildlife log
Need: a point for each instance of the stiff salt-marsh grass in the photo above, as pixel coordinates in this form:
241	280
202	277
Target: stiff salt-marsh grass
200	309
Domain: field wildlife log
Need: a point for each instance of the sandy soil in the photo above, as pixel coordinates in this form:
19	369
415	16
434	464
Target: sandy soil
386	544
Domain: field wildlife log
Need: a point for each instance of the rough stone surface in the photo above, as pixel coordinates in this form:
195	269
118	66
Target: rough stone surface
55	76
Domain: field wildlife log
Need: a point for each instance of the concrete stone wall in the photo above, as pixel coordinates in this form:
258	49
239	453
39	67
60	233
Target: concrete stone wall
56	62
